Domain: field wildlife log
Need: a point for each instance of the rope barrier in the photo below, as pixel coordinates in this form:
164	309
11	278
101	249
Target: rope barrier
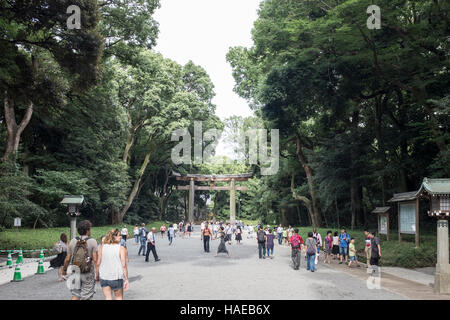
17	251
26	262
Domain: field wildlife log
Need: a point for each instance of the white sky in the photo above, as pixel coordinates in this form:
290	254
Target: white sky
203	31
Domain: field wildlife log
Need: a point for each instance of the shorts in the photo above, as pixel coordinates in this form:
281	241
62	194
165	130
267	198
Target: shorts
327	249
114	284
87	286
343	251
353	258
318	249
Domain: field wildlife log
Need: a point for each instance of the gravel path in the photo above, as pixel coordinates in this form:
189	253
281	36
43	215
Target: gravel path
186	272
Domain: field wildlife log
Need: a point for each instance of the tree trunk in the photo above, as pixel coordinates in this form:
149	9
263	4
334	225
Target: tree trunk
299	215
135	189
306	201
14	131
317	221
337	211
355	184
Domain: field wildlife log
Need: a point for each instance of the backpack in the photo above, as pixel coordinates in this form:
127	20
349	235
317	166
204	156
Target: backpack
261	235
81	257
310	250
143	233
295	241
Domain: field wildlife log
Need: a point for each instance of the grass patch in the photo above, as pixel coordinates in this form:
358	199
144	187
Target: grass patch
29	239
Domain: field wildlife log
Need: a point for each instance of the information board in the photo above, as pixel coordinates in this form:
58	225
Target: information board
383	225
408	218
17	222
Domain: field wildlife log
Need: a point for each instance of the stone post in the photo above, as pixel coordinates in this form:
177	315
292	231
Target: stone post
73	227
232	202
191	201
442	275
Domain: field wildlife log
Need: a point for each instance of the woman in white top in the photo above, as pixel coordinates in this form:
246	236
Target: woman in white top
124	233
136	233
112	266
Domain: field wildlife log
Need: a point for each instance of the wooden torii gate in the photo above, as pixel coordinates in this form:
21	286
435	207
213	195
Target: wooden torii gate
232	178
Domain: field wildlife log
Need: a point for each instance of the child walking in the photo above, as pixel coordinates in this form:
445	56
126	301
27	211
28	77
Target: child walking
352	253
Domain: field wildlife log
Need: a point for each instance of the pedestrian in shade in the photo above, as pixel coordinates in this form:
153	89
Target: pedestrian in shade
296	245
124	233
58	262
136	233
375	253
80	247
311	250
151	245
222	247
143	239
238	236
269	243
261	238
206	233
171	234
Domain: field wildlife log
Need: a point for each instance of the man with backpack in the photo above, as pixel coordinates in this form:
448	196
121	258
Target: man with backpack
82	254
296	245
344	240
143	239
261	238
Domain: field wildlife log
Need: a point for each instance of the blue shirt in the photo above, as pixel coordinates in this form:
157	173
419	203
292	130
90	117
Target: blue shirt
344	239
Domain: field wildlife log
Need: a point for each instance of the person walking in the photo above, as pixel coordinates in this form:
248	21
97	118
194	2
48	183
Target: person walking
175	229
151	245
79	248
238	236
344	239
171	234
229	232
182	229
318	237
163	231
222	247
367	247
270	243
311	250
375	253
58	262
352	253
285	236
143	239
188	229
124	233
261	238
335	250
136	233
206	233
296	246
112	271
328	245
280	234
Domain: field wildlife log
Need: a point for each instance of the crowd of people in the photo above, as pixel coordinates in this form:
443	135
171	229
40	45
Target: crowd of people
106	262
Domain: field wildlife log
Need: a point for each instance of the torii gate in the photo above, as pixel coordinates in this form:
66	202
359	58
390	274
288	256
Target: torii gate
232	178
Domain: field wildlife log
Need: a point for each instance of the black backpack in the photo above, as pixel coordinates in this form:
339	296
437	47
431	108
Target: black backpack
261	236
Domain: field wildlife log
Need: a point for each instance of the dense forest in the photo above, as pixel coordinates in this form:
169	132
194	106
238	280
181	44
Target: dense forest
361	113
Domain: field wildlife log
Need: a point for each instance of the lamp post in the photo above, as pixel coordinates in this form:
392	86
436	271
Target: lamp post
73	211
